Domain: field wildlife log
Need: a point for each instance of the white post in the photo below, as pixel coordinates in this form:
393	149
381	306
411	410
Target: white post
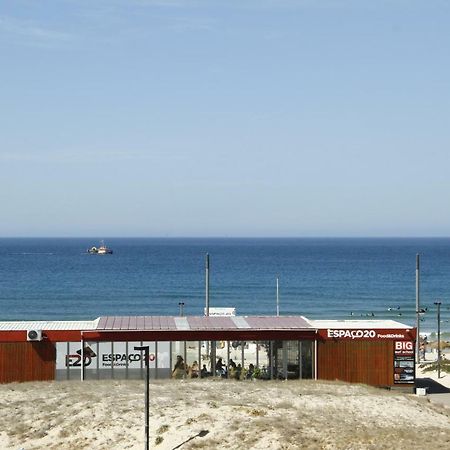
278	299
207	285
417	310
82	357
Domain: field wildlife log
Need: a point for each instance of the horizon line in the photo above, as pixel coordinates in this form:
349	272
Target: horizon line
229	237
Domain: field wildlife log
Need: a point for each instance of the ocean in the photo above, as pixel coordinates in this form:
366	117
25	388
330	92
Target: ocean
327	278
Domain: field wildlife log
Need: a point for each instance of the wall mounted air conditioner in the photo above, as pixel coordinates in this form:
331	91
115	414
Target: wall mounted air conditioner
34	335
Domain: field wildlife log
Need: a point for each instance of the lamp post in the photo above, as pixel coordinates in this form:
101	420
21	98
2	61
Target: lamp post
278	298
181	305
207	284
146	350
438	304
418	308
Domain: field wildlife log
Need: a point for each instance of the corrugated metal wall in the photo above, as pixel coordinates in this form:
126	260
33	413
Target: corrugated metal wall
369	362
27	361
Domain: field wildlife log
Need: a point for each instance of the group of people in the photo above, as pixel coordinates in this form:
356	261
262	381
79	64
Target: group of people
233	371
182	370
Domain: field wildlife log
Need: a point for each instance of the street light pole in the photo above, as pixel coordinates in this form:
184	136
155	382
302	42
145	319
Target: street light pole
146	350
207	285
278	299
438	304
417	308
181	305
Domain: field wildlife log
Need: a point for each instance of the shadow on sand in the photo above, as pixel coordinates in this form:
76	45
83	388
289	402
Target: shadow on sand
434	387
202	433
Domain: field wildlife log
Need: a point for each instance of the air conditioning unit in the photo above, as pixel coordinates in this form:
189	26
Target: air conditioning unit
34	335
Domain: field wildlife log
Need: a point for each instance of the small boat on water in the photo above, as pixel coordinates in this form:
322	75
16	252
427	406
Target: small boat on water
102	250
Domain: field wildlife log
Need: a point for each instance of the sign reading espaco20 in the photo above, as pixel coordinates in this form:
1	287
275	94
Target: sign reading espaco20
338	333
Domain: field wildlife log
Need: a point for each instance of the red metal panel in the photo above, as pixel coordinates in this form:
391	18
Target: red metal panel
125	323
224	323
133	323
117	324
369	362
27	361
140	323
169	323
205	323
152	323
200	335
102	323
201	323
109	323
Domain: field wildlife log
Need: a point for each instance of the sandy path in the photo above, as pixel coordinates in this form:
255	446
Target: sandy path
235	415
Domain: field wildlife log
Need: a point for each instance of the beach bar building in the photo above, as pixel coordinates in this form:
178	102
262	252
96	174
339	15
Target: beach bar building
374	352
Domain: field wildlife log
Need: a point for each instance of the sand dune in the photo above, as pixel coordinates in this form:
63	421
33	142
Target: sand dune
226	414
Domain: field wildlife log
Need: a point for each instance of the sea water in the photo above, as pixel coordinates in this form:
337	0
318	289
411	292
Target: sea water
56	279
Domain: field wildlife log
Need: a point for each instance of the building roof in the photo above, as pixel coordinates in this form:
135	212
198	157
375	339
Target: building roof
197	323
352	324
60	325
191	323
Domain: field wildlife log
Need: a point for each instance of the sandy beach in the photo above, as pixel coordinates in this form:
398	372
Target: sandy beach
218	414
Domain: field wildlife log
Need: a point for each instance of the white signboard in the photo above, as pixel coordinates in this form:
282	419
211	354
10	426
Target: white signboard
221	312
115	355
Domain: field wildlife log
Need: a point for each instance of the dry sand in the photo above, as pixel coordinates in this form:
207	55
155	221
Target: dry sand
235	415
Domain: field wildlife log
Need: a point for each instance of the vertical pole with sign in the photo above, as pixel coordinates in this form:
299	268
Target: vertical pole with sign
145	349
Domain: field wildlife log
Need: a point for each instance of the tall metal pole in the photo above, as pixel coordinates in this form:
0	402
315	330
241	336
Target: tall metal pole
181	305
438	304
278	299
417	308
207	307
82	357
207	285
146	350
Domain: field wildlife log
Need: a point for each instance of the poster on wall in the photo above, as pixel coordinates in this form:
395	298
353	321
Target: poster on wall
404	367
104	355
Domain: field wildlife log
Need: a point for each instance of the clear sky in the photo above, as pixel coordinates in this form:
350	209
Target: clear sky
230	118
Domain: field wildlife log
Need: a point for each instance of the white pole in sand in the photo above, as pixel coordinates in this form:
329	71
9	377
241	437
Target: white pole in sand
207	298
278	299
438	304
207	284
82	357
417	309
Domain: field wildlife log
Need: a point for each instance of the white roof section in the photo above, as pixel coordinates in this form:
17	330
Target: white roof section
50	325
353	324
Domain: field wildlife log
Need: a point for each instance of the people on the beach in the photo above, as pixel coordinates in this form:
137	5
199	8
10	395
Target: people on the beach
204	372
238	372
179	370
219	367
193	370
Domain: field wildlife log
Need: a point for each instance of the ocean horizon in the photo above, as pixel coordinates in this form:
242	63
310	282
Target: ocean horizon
321	278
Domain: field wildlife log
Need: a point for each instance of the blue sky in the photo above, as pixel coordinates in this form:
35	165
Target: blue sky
231	118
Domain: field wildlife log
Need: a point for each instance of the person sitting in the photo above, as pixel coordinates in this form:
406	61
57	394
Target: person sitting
179	370
251	370
219	367
237	373
204	372
193	372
